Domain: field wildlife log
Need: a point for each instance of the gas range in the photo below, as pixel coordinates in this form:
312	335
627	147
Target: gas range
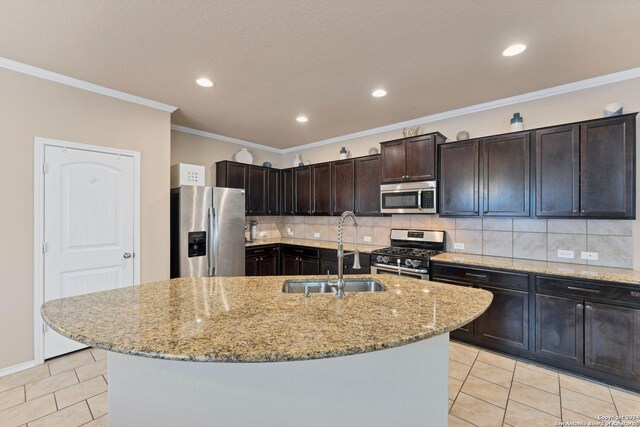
409	253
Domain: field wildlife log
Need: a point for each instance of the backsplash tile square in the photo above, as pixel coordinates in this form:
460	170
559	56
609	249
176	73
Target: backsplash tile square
468	224
567	226
606	227
612	250
530	245
401	221
497	243
530	225
497	224
472	240
567	242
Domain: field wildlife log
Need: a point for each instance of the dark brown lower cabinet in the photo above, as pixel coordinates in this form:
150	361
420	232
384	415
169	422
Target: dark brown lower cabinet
261	261
584	326
506	321
559	325
290	265
612	339
505	324
309	266
328	267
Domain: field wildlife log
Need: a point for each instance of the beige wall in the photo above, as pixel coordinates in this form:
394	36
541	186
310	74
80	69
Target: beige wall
198	150
570	107
31	107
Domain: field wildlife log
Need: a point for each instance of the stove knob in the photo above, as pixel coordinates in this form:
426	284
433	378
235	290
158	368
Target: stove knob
385	259
415	263
407	262
379	258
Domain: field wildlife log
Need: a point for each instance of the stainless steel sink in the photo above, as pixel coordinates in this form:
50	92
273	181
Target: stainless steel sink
317	287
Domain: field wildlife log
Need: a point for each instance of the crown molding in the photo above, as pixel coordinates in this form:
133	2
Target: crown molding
512	100
81	84
218	137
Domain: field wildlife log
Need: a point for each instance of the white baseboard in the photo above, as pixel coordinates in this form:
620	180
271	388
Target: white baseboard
17	368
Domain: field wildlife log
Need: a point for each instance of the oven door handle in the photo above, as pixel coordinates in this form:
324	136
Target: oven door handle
420	200
395	269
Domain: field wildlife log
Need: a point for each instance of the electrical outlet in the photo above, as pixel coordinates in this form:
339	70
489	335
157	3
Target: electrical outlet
589	255
263	234
565	254
458	245
316	235
367	238
289	231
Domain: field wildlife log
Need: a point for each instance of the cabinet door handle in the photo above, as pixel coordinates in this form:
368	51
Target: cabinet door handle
588	307
478	276
575	211
579	306
591	291
584	211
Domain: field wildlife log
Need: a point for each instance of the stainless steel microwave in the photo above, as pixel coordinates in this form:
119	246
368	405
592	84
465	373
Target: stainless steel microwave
409	197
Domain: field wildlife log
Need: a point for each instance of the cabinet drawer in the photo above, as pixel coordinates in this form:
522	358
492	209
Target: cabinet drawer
300	251
261	250
504	279
588	290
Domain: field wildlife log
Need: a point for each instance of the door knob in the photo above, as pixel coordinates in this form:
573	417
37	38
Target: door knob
126	255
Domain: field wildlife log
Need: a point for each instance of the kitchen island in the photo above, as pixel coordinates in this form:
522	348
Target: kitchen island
372	358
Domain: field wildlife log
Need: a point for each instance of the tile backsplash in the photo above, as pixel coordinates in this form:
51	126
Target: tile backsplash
536	239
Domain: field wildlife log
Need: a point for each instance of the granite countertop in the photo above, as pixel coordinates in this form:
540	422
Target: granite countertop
576	271
318	244
250	319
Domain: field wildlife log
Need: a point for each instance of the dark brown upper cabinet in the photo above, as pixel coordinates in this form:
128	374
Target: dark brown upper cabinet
287	192
607	168
343	181
231	174
257	191
506	179
273	192
321	189
410	159
557	152
459	178
261	185
367	185
302	190
586	169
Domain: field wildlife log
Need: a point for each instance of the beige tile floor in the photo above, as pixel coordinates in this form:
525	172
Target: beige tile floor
485	389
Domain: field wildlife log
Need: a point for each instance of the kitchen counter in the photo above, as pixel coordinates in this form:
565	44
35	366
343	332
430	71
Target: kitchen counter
323	351
575	271
319	244
250	319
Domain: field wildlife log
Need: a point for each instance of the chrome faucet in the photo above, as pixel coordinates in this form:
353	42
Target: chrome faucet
341	254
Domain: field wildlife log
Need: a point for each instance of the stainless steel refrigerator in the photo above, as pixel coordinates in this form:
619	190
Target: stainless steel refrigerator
207	231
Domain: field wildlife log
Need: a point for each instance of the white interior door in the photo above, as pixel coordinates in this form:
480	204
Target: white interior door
88	228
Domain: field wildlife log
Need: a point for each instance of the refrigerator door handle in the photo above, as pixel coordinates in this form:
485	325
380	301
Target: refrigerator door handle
212	233
216	241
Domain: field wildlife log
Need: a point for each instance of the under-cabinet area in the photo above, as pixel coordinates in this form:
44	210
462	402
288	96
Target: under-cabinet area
590	327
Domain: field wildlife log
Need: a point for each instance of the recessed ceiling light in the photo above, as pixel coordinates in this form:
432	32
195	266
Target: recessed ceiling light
514	49
302	119
204	82
379	93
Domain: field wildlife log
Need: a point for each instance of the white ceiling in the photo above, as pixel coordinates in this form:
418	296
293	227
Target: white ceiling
274	59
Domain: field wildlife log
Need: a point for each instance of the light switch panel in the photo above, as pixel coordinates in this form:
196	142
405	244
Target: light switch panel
458	245
589	255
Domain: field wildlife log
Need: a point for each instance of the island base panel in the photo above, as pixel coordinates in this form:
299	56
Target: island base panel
401	386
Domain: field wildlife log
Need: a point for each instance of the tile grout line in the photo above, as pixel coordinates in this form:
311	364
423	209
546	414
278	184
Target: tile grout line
513	375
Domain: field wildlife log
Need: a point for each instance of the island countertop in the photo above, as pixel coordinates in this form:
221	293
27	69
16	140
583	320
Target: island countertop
250	319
